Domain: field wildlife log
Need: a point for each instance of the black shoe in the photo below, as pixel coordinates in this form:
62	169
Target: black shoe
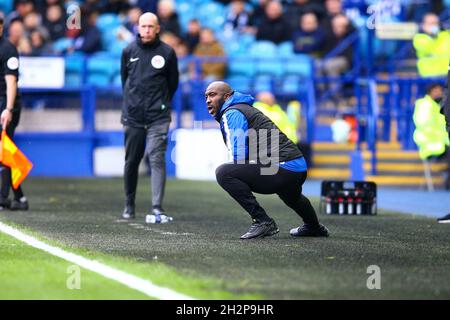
128	212
261	229
308	231
444	219
21	204
5	204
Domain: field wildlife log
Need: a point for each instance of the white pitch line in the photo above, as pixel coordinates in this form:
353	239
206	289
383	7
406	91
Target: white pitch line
128	280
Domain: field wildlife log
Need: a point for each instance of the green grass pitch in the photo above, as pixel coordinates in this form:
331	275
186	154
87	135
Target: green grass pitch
200	254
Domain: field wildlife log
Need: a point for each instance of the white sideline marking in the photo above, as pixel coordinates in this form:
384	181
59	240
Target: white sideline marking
128	280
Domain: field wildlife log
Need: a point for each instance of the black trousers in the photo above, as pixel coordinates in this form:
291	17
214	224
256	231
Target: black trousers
6	171
151	141
241	180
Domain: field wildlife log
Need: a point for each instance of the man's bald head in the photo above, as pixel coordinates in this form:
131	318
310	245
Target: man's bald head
216	94
148	27
219	86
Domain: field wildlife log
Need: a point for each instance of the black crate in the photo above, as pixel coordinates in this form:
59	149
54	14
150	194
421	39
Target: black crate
348	197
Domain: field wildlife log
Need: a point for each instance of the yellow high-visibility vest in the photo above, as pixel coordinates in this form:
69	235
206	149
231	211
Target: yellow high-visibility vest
275	113
433	53
430	134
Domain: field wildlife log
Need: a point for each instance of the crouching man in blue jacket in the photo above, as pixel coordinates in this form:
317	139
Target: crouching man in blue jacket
263	160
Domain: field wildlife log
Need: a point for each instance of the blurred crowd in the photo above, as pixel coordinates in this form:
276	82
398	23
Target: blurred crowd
314	27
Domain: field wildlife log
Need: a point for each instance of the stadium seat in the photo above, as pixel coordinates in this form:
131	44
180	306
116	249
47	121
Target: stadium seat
299	64
263	83
98	79
62	44
291	84
6	6
285	49
74	69
241	66
240	83
101	67
267	60
108	21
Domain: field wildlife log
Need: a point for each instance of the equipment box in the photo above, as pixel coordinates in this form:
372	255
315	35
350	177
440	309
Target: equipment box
348	198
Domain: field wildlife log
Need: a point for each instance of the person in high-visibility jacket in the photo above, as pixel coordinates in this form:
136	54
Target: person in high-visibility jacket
430	134
287	122
432	47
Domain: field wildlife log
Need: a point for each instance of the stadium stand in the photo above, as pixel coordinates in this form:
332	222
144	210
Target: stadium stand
389	65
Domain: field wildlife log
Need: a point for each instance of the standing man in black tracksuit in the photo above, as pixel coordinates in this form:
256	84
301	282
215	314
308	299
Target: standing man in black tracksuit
9	116
264	161
149	70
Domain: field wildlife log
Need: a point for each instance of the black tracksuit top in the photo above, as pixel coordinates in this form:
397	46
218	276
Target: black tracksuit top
149	79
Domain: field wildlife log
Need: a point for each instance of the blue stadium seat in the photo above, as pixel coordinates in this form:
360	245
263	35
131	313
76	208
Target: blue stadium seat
286	49
73	69
108	21
101	67
6	6
72	80
267	60
62	44
299	64
210	9
240	83
263	83
241	66
117	80
290	84
99	79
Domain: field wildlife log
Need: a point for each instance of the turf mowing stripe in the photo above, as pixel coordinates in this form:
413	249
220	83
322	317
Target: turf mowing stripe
128	280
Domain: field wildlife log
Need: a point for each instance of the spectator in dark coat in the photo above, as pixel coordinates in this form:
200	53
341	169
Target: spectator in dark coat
168	18
274	27
309	38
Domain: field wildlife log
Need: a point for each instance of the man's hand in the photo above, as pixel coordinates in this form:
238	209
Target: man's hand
5	118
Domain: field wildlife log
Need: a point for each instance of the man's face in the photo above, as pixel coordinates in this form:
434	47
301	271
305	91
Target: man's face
215	100
1	29
148	29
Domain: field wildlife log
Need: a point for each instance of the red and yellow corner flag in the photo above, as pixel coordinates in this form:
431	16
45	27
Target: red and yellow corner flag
12	157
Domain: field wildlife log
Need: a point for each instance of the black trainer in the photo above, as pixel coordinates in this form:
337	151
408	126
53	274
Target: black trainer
128	212
308	231
261	229
21	204
5	204
444	219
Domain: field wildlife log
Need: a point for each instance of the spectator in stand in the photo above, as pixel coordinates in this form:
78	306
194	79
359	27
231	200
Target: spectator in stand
21	9
332	9
192	35
129	30
168	18
41	6
297	8
90	39
16	35
33	21
432	47
115	7
258	14
237	19
309	38
55	22
146	5
210	47
274	26
39	45
340	29
170	39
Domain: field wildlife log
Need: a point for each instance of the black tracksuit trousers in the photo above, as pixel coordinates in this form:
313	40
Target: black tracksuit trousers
240	180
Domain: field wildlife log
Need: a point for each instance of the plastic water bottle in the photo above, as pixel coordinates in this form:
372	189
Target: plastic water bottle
157	218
